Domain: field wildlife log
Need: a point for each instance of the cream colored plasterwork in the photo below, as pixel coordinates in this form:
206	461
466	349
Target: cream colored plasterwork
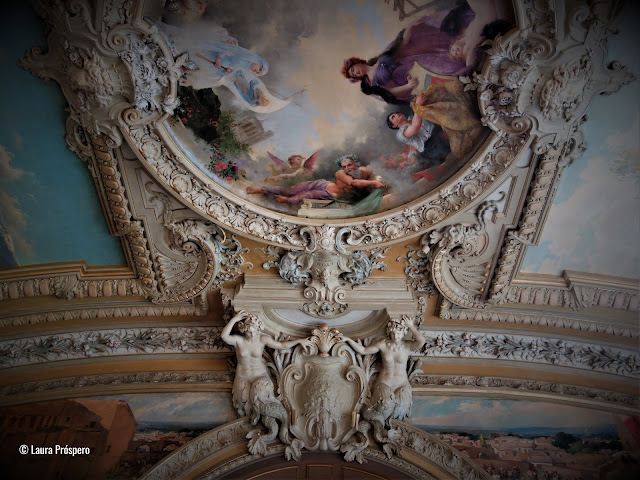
122	309
538	80
120	79
175	257
108	342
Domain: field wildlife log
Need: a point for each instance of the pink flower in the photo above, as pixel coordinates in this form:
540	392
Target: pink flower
229	179
219	166
184	120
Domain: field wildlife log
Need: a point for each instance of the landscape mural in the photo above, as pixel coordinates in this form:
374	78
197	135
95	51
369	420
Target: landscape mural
331	109
128	434
515	440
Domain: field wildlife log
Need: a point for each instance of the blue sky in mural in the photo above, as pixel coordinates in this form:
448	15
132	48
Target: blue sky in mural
189	409
482	413
45	190
212	408
594	223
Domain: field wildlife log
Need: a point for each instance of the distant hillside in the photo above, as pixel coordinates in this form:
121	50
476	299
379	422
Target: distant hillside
174	426
582	432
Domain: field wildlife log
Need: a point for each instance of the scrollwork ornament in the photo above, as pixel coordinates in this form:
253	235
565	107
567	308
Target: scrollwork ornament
500	85
327	274
153	71
444	261
289	232
116	12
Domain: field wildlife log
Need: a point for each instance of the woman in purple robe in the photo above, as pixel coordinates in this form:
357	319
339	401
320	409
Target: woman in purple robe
387	75
427	42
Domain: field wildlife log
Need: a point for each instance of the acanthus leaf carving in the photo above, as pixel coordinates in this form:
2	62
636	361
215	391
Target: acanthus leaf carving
100	343
500	85
326	270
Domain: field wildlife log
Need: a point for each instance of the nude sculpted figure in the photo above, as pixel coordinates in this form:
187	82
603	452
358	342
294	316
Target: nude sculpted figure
391	394
253	390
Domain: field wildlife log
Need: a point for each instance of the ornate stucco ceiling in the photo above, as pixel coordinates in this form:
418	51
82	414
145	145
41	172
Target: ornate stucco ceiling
208	227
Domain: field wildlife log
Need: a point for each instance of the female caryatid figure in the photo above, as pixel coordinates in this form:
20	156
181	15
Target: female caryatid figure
253	391
391	394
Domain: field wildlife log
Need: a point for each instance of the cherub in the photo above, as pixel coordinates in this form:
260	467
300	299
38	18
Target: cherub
297	170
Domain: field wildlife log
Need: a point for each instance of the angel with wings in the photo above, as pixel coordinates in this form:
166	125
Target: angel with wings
297	170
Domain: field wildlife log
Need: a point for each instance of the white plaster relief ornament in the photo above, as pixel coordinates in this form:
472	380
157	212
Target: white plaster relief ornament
253	390
134	90
390	396
329	397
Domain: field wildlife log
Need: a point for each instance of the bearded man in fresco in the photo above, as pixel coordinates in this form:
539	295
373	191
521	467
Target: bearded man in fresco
352	183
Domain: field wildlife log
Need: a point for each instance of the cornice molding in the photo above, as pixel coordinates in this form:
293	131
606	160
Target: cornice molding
104	309
533	92
198	251
525	389
326	272
439	344
536	318
528	348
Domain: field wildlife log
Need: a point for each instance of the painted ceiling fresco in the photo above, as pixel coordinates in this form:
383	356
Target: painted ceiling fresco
599	195
46	192
331	109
